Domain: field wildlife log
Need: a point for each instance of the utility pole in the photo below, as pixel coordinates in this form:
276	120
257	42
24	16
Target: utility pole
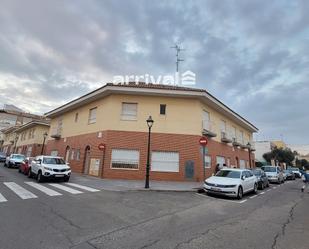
178	50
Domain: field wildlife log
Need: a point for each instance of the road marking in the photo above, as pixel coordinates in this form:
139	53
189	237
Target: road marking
83	187
65	188
242	201
253	196
268	190
20	191
274	187
262	193
42	188
2	199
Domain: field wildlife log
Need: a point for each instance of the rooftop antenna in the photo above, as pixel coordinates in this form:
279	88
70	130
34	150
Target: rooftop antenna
178	49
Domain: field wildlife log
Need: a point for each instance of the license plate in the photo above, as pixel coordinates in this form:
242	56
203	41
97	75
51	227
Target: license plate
216	189
59	175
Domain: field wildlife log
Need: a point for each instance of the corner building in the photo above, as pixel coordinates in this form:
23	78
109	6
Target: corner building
104	133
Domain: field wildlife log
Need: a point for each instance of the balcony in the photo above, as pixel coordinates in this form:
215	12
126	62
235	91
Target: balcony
225	138
56	133
235	142
208	128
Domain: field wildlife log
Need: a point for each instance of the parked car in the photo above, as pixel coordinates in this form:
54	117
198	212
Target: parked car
25	165
296	172
2	157
49	167
14	160
231	182
274	174
289	174
261	178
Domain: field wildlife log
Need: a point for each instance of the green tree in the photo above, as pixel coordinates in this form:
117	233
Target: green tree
281	155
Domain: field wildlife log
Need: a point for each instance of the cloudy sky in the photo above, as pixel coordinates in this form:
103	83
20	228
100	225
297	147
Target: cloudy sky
253	55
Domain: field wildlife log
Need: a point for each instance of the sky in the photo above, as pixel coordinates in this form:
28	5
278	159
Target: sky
252	55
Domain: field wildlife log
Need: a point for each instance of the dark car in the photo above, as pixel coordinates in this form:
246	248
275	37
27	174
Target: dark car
25	165
289	175
261	177
2	157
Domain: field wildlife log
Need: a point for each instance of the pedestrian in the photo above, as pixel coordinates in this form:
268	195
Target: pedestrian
217	168
306	181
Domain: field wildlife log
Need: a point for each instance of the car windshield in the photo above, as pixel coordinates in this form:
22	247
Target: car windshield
228	174
2	154
51	160
269	169
287	171
294	169
257	172
18	157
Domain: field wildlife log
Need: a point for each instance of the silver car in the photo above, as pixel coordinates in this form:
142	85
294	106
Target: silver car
274	174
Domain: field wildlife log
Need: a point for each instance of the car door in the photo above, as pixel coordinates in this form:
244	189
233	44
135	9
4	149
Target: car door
246	182
34	165
252	180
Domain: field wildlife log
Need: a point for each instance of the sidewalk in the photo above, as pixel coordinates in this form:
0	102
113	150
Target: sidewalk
134	185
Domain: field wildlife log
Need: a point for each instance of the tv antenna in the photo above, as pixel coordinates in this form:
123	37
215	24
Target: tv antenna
178	50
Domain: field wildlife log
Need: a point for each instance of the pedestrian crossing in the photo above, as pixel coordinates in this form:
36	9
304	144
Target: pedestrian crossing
51	189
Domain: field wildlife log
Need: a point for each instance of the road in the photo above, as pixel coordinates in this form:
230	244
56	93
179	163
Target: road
66	216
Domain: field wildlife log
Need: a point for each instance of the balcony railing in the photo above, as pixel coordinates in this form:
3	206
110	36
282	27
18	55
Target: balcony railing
208	128
236	143
225	138
56	132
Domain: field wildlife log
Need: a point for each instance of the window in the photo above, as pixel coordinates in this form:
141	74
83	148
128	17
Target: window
33	133
92	116
242	164
29	151
54	153
77	154
223	126
72	154
76	117
129	111
207	162
162	109
165	161
233	132
220	160
125	159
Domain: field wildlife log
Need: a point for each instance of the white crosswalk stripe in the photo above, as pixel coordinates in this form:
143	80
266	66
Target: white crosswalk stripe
2	198
20	191
43	189
83	187
65	188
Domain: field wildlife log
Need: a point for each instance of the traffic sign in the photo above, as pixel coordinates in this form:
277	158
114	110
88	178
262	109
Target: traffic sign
101	146
203	141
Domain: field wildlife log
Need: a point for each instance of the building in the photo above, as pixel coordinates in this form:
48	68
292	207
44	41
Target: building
279	144
113	118
9	138
31	136
262	147
11	116
302	151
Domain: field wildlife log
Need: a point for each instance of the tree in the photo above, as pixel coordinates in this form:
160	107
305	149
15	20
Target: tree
281	155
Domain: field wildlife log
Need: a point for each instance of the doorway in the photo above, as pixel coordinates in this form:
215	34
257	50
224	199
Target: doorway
86	160
67	154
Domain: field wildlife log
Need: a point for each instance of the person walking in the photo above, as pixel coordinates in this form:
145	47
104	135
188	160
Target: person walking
306	181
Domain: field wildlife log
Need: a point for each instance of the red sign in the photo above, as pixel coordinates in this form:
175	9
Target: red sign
203	141
101	146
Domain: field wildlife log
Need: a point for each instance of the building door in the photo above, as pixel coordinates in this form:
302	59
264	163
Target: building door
67	154
237	162
86	160
189	169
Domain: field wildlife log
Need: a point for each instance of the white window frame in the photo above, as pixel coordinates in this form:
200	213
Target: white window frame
207	161
126	113
92	118
242	164
133	158
223	126
158	165
220	157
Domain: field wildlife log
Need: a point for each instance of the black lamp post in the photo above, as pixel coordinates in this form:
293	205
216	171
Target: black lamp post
45	136
149	123
249	150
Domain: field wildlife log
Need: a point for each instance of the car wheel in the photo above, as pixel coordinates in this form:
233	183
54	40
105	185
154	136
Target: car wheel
255	188
66	179
262	185
240	193
29	173
40	178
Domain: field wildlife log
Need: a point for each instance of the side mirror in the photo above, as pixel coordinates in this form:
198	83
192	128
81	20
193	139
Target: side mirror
39	161
243	178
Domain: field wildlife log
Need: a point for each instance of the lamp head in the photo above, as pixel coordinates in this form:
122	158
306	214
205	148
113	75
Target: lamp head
150	122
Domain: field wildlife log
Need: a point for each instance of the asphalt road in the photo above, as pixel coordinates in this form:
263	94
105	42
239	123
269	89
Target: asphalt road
277	218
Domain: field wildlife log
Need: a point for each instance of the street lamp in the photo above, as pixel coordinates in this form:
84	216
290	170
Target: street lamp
45	136
249	150
149	123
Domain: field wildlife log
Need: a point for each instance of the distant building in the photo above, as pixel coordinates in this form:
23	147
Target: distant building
262	147
279	144
11	116
302	151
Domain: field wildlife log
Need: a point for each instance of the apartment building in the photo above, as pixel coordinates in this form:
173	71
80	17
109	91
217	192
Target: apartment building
104	133
26	139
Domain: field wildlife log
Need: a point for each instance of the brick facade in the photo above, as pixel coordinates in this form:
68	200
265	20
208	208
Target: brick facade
186	145
36	149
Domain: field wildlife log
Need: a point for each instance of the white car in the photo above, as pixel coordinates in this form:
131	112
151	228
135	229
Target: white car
296	171
231	182
274	174
14	160
49	167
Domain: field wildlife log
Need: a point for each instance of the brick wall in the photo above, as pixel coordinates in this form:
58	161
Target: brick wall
186	145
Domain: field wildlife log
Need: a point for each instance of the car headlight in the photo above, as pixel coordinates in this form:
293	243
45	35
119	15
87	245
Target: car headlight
47	168
206	183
